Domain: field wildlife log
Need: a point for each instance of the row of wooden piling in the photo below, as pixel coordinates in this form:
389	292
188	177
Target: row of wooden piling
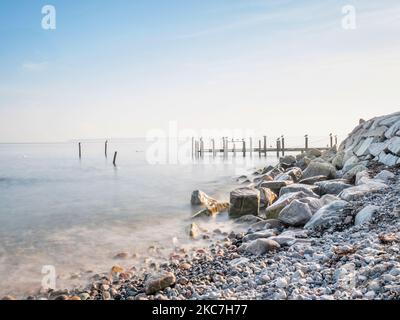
105	152
198	149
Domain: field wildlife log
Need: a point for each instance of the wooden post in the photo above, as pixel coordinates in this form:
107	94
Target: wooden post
283	145
105	148
196	147
259	148
336	140
265	145
306	142
331	139
234	148
115	159
251	147
213	147
80	150
278	142
244	148
192	147
201	147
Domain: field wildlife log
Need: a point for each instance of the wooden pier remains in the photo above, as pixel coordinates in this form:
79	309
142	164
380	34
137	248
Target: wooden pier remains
245	146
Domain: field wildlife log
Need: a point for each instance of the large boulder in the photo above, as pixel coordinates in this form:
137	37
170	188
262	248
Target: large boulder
159	282
295	173
259	246
244	201
388	159
327	215
320	169
351	174
273	211
313	203
350	163
296	214
366	214
297	187
384	176
287	161
356	192
338	160
332	186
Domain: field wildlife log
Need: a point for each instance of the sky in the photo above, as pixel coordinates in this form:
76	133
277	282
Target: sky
119	69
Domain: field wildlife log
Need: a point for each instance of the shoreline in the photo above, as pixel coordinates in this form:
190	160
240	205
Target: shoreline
318	226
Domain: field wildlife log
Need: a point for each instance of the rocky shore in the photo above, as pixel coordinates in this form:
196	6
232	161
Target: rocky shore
319	225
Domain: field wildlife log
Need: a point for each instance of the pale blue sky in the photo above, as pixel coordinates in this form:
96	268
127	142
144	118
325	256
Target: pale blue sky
120	68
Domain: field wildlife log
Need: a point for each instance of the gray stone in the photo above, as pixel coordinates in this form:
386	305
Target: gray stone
366	214
351	174
356	192
266	224
267	197
363	149
297	187
313	203
391	132
385	176
394	145
248	219
273	211
260	246
332	186
327	215
376	149
320	169
350	163
388	159
296	214
295	173
328	198
338	160
288	161
244	201
313	180
265	234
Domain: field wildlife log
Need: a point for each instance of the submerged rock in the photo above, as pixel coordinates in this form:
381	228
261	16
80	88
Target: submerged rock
201	198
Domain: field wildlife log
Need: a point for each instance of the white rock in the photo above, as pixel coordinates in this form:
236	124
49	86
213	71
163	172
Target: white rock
365	214
384	175
394	145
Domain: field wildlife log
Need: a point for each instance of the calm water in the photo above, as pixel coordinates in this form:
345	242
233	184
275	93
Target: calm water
77	214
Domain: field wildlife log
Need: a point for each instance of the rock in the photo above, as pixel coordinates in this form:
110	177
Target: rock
238	261
284	177
262	178
266	224
363	148
338	160
295	173
393	130
350	175
200	198
313	203
313	180
248	219
84	296
314	153
350	163
159	282
362	177
385	176
281	283
275	186
260	246
194	231
212	210
330	154
332	186
376	149
267	197
296	187
328	198
388	159
366	214
265	234
8	298
244	201
287	161
320	169
394	145
296	214
356	192
327	215
273	211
